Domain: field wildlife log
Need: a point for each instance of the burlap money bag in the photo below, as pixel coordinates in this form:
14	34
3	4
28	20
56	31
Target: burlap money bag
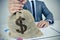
22	25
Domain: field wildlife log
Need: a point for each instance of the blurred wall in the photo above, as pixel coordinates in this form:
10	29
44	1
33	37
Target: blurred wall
53	6
3	11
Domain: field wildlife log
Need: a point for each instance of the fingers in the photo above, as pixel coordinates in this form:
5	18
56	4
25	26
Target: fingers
24	1
13	2
42	24
14	6
46	25
16	1
12	12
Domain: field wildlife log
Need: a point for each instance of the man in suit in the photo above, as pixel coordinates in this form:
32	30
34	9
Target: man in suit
37	8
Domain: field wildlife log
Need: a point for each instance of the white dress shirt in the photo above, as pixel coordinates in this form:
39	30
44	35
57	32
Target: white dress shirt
34	6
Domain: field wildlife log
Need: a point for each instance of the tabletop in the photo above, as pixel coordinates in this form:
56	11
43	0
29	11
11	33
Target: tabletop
52	32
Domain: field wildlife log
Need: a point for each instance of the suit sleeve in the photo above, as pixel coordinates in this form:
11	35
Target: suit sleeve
25	7
47	14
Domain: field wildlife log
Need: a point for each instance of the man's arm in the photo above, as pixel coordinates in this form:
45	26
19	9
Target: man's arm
47	14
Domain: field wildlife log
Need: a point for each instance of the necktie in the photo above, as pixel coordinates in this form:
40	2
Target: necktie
33	9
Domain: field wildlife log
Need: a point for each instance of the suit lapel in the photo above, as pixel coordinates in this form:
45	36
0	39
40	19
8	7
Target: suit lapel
28	6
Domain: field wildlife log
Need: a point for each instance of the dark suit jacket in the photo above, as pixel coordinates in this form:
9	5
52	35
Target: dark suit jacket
40	9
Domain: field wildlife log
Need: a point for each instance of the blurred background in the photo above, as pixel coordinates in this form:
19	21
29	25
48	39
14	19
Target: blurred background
52	5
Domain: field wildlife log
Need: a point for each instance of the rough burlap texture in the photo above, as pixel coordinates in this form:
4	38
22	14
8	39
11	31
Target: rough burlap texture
31	29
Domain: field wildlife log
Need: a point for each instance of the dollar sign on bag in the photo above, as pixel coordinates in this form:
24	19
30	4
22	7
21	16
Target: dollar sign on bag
22	26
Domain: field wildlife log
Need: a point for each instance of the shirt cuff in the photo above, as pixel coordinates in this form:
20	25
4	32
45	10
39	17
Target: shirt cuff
48	20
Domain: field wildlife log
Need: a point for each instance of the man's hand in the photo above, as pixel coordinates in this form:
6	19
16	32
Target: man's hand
15	5
43	24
